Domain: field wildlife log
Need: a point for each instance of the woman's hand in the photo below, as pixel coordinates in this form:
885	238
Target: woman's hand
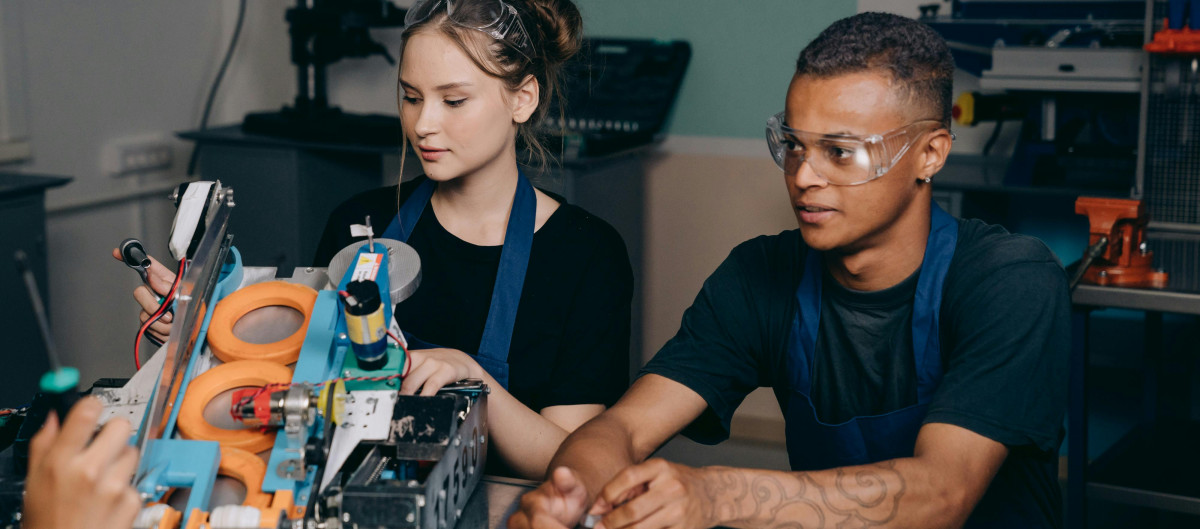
161	279
76	481
434	368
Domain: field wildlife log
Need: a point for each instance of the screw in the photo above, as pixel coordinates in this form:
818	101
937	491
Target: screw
346	517
346	373
410	518
343	336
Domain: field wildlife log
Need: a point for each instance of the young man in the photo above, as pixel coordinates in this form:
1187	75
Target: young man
919	360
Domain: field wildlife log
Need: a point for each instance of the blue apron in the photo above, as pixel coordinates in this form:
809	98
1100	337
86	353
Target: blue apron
815	445
510	275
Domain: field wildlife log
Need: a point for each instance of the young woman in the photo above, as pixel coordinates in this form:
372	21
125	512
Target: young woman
518	288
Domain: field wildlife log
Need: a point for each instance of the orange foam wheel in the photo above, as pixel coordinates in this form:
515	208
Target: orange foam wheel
249	470
204	388
230	348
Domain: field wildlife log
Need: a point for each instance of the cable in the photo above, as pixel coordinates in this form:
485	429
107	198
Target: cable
158	314
407	356
11	411
991	141
285	385
212	92
327	439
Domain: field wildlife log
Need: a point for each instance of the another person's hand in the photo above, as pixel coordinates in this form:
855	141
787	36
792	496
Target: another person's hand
76	484
161	279
433	369
656	493
559	503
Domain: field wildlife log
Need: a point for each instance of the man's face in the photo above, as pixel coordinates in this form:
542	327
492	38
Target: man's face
850	218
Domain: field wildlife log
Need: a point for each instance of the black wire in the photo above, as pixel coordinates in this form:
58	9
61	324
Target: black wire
327	438
212	92
991	142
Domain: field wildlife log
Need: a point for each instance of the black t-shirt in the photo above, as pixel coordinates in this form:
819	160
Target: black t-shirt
570	342
1004	331
864	342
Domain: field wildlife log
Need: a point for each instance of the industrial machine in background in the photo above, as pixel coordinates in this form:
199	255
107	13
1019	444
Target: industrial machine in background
315	429
1069	72
619	95
619	92
324	32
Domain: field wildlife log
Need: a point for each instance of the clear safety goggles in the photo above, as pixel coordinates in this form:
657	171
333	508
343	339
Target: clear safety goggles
842	160
496	18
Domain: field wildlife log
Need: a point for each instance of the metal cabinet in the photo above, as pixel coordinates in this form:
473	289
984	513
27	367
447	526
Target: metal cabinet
23	220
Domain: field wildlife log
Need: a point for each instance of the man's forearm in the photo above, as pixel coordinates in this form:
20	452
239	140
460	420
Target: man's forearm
896	493
595	451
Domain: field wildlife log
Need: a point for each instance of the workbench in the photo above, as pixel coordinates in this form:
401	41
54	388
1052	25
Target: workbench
1155	464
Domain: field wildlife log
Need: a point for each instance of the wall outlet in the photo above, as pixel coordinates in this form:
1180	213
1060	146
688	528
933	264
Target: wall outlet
137	155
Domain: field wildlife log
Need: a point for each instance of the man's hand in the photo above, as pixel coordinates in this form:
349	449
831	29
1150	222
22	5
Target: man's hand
558	503
433	369
161	279
77	484
655	494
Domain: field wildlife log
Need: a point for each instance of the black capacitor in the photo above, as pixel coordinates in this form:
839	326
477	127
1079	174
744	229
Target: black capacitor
366	325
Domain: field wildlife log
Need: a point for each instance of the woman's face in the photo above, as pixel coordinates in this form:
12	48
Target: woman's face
457	118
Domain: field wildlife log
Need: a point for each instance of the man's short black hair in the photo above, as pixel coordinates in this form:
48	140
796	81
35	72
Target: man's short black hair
913	53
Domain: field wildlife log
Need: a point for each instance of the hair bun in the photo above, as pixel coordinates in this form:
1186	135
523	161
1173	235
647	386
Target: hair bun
561	29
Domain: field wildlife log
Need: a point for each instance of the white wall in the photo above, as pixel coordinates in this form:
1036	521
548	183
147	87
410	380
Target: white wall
104	70
100	71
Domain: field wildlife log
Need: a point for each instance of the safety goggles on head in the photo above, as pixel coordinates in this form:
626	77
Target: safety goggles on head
496	18
842	160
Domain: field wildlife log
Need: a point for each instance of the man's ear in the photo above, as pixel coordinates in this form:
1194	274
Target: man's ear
933	156
525	99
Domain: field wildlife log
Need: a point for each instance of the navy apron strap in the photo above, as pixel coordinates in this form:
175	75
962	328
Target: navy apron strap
510	275
406	219
805	324
510	279
927	303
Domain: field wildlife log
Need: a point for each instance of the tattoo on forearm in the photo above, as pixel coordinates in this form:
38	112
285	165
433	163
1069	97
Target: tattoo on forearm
859	497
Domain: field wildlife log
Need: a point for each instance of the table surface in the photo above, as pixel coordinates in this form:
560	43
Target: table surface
494	500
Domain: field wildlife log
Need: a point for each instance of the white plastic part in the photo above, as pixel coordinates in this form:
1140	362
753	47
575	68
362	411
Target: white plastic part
187	219
361	230
367	416
149	517
234	517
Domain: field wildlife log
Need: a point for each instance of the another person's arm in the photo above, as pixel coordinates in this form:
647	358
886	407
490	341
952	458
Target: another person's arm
650	413
76	481
937	487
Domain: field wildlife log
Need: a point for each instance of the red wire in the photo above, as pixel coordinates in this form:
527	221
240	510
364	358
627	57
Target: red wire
407	356
158	314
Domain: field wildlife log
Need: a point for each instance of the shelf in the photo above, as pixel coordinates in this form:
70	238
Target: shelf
1154	466
985	174
1146	299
